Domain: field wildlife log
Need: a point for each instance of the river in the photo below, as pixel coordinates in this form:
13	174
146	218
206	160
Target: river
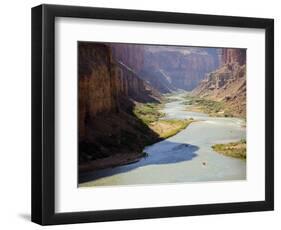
184	157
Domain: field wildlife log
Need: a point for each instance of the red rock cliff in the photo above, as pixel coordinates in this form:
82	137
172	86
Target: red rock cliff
228	83
233	55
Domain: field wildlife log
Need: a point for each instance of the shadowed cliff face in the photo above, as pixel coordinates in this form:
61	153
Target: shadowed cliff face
108	90
228	83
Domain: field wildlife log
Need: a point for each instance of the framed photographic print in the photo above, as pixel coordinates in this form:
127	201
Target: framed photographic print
142	114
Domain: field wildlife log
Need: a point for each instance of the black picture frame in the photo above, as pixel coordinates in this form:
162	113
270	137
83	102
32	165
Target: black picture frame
43	114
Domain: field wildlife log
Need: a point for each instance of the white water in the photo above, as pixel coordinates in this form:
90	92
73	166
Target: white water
185	157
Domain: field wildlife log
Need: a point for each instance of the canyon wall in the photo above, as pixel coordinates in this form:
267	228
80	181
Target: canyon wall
227	83
108	90
167	68
179	69
129	54
133	56
233	55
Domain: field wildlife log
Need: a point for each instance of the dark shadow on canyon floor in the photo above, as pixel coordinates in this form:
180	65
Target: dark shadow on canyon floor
174	153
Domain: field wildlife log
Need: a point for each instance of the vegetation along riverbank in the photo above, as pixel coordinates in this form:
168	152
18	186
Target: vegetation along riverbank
211	107
233	149
153	118
150	114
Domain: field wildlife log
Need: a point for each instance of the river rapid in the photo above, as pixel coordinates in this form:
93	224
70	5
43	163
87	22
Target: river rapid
184	157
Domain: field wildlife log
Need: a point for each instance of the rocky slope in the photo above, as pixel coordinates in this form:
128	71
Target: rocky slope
108	89
228	83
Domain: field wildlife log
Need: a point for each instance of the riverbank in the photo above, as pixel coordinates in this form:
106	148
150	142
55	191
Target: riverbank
169	128
153	118
152	115
233	149
210	107
111	161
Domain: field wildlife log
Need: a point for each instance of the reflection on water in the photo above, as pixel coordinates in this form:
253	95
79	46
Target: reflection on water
185	157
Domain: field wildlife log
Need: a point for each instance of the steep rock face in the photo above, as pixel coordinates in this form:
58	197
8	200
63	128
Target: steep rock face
184	70
130	55
133	57
233	55
158	78
228	83
129	84
107	91
167	68
95	83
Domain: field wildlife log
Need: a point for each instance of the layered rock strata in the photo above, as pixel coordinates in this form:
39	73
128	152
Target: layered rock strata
228	83
176	69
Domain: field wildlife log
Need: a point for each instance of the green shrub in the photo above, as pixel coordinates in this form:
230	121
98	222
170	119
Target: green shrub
148	112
